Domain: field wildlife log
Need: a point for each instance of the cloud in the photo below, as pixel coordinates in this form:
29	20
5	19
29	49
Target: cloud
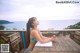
17	10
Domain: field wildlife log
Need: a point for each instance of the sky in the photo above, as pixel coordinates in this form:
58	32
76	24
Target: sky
22	10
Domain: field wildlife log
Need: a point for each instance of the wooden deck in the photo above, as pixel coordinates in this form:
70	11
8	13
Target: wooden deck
63	44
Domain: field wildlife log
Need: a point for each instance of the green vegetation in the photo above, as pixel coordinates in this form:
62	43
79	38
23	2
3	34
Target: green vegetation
4	22
14	28
75	26
2	27
1	41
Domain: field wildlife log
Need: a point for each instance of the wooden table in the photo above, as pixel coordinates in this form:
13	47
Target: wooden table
63	44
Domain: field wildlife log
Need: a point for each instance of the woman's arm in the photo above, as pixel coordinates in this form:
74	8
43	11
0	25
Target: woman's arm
42	35
39	38
54	37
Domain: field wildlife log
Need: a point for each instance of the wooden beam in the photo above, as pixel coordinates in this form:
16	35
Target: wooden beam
41	30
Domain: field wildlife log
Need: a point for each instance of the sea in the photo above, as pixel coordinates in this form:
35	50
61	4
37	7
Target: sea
43	24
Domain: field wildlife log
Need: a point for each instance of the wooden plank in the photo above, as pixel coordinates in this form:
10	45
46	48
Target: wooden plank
14	39
77	37
69	47
47	49
48	52
41	49
72	52
77	41
33	52
44	52
73	45
41	30
70	44
61	42
53	48
77	33
58	45
37	48
63	45
14	36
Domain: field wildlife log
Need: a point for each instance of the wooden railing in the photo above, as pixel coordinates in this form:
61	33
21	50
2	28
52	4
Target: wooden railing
15	39
19	37
75	36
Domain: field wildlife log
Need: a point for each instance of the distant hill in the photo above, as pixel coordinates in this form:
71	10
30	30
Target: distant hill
75	26
5	22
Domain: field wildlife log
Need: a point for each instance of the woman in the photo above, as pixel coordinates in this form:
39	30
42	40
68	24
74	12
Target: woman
34	35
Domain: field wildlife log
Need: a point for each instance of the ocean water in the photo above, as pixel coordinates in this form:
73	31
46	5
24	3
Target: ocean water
43	24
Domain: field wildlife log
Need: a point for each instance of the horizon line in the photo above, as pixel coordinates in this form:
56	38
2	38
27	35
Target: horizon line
40	20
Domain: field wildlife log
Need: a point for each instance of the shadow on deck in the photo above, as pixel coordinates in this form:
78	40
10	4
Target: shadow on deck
63	44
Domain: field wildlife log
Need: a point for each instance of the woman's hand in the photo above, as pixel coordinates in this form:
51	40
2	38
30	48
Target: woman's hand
53	38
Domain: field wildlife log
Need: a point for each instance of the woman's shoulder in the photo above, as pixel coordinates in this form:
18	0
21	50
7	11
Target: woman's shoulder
34	31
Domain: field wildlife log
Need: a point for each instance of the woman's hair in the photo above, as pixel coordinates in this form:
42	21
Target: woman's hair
29	25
